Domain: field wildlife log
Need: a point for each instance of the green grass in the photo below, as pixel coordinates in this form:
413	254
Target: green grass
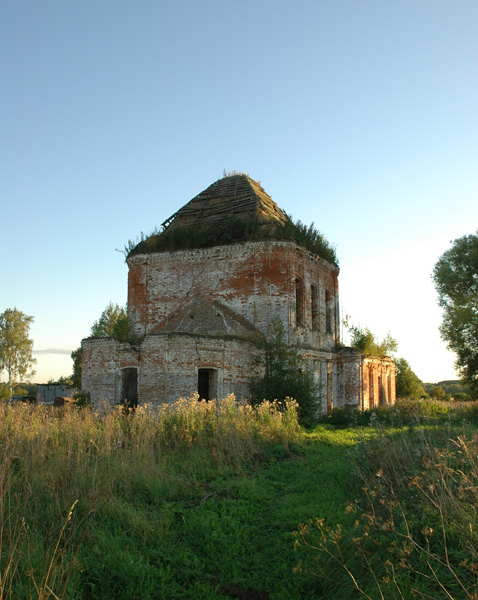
413	528
231	532
200	505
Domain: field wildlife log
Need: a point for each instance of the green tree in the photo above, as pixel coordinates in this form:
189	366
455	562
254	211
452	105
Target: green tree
408	384
16	347
4	391
365	341
454	388
113	322
438	393
456	281
462	397
77	357
286	376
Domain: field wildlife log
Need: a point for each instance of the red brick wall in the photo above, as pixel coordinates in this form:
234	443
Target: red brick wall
167	366
364	382
103	360
379	382
254	279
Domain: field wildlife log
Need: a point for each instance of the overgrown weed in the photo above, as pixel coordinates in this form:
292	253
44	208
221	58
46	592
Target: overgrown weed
63	469
412	532
406	412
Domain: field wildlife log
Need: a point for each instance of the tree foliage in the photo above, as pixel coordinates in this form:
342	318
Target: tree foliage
286	376
113	322
4	391
77	357
455	388
16	347
408	384
456	281
438	393
365	341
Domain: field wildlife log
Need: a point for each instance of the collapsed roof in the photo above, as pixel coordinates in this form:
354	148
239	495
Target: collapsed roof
236	196
233	209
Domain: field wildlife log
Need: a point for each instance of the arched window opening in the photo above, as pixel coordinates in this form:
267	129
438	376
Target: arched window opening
299	302
370	387
330	396
328	312
381	390
314	307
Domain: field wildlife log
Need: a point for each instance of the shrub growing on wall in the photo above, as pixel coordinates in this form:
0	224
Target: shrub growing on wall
365	341
113	322
286	376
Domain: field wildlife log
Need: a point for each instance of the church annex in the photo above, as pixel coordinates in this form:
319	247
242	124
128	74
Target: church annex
203	292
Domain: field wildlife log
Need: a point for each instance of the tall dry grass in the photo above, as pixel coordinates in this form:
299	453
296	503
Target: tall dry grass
414	526
61	469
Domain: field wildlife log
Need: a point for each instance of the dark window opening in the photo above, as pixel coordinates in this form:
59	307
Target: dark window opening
207	384
381	390
330	401
370	388
328	312
299	302
314	307
129	387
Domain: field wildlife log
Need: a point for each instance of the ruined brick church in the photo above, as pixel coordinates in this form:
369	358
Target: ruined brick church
204	291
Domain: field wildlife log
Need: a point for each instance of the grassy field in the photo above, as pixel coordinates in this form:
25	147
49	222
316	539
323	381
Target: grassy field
239	503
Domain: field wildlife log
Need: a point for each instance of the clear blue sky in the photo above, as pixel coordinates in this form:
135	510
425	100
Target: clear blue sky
359	116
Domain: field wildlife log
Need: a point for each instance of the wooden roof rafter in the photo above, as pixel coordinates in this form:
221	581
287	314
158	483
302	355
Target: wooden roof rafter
236	195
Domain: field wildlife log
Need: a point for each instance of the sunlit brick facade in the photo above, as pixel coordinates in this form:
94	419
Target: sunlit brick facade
198	313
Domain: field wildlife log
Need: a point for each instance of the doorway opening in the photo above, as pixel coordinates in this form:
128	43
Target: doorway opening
207	384
129	387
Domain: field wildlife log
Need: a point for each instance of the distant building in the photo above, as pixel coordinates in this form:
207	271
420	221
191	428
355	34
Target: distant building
203	292
46	393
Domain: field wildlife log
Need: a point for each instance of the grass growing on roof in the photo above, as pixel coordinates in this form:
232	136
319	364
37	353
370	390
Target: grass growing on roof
230	230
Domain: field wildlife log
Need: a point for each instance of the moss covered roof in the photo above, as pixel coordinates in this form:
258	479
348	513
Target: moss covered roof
233	209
